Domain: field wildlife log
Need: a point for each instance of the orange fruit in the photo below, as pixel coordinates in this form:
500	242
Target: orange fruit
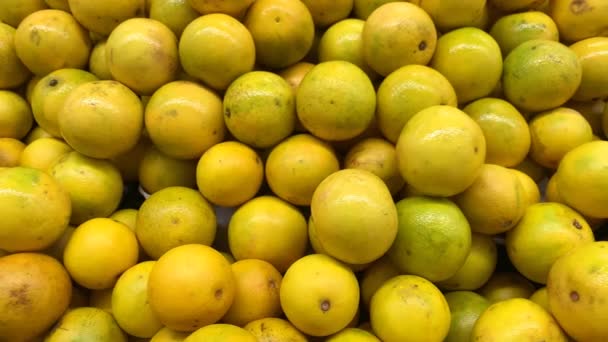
102	18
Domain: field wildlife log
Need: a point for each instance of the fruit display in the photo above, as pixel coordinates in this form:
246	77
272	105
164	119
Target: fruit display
303	170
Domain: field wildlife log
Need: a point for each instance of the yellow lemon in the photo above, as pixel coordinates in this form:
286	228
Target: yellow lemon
379	157
15	115
433	239
540	74
405	92
10	152
505	130
441	151
363	8
191	286
94	185
216	48
517	319
511	30
545	233
86	324
235	8
158	171
42	153
374	276
102	18
49	40
336	101
130	305
409	308
465	309
50	93
309	159
273	329
531	168
172	217
283	31
221	332
12	71
259	109
98	251
576	287
477	268
36	209
175	14
33	285
354	216
397	34
98	63
530	188
268	229
13	12
184	119
471	60
319	295
578	20
593	56
167	335
353	335
506	285
452	14
327	12
257	292
541	298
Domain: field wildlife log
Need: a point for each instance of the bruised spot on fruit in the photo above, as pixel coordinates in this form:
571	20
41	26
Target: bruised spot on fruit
218	294
53	82
263	326
277	19
175	220
272	284
577	224
227	112
579	7
574	296
422	46
35	37
277	102
172	113
325	305
19	296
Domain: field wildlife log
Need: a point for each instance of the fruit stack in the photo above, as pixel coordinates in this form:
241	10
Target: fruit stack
303	170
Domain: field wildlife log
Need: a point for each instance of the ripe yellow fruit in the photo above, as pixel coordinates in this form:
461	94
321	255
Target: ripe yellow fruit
506	285
15	115
191	286
593	55
575	285
517	319
327	12
35	209
269	229
57	36
578	20
409	308
172	217
374	276
397	34
319	295
98	250
88	324
176	15
98	63
102	18
12	71
511	30
440	151
235	8
158	171
10	152
13	12
353	335
167	335
216	48
465	309
130	305
33	285
541	297
42	153
274	329
530	188
452	14
221	332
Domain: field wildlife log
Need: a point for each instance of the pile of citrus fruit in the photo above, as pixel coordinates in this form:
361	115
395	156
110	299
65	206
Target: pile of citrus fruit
303	170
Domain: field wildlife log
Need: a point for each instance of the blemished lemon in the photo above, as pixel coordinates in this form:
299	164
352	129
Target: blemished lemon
319	295
41	154
517	319
130	305
36	209
191	286
33	285
397	34
50	93
98	250
452	14
506	285
98	63
235	8
471	60
15	115
554	133
176	14
530	188
216	48
283	31
10	152
495	201
259	109
593	55
167	335
137	46
575	284
229	173
221	332
535	82
353	335
465	309
456	144
374	276
104	17
477	268
12	71
184	119
545	233
86	323
336	101
269	229
354	216
405	92
511	30
101	119
309	159
579	20
12	12
505	130
158	171
433	240
327	12
409	308
172	217
57	36
541	297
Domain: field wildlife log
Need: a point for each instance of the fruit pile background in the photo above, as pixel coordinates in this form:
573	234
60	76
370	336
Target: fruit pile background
315	170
